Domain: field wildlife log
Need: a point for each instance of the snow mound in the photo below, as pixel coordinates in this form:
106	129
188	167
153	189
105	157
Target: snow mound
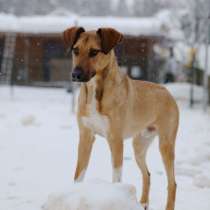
95	196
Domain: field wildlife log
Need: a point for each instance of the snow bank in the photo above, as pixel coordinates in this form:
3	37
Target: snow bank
95	196
181	91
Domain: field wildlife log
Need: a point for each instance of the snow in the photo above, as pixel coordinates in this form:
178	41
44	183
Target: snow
170	24
38	152
57	24
130	26
95	195
181	91
35	24
53	23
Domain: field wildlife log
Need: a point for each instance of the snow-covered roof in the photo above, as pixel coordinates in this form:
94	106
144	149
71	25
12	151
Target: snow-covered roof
130	26
56	24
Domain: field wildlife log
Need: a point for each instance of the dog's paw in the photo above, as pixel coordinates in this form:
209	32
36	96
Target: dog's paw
145	206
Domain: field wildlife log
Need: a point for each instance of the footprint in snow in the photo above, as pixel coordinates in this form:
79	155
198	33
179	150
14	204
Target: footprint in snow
200	159
12	197
18	169
127	158
202	181
65	127
2	116
190	172
11	184
29	120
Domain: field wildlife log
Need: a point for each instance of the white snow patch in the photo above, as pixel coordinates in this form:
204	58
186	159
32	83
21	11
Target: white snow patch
164	23
181	91
94	196
38	160
202	181
28	120
57	24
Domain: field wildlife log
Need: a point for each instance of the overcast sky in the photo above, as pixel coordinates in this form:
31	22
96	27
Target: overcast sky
86	7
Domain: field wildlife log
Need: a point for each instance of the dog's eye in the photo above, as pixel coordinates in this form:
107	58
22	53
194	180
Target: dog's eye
75	51
93	52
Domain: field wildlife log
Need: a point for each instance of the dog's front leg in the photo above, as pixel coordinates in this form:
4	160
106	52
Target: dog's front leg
116	147
84	151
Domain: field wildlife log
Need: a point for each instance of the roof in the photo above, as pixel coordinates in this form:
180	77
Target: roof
56	24
155	25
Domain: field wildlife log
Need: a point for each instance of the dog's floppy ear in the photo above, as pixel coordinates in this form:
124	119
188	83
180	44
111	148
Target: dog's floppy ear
71	35
109	38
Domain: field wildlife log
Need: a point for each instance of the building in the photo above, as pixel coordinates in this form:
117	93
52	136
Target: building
40	58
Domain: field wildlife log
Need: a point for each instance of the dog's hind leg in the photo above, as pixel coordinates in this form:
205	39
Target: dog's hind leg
141	144
84	151
167	150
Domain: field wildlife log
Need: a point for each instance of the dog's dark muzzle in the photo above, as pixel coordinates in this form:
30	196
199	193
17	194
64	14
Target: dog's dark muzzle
79	75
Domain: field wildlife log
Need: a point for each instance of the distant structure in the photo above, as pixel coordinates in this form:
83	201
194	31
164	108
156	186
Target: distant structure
7	57
39	57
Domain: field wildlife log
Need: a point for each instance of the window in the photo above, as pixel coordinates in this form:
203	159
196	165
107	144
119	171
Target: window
136	72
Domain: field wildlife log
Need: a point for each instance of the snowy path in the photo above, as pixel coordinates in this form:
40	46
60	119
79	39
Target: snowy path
38	150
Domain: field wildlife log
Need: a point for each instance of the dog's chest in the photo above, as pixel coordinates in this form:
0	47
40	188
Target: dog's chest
94	120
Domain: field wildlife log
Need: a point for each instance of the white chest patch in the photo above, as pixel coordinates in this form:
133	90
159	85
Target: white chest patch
97	122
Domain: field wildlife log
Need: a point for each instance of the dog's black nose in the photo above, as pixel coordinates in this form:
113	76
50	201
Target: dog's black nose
78	74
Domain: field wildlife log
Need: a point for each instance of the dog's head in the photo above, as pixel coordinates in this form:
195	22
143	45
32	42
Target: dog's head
91	50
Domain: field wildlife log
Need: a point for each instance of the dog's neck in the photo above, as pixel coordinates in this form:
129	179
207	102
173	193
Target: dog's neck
109	76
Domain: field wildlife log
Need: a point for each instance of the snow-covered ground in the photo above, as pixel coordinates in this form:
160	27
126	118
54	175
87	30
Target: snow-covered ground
95	195
38	151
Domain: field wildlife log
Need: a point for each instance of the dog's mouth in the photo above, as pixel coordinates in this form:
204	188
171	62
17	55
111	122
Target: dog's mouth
81	76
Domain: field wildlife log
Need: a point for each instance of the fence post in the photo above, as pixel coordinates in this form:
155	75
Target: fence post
206	73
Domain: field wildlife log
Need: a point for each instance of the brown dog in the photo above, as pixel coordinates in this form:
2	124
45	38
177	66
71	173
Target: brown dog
117	107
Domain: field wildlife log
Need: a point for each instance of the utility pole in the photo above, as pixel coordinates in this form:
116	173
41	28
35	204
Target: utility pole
6	74
206	73
193	70
8	56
